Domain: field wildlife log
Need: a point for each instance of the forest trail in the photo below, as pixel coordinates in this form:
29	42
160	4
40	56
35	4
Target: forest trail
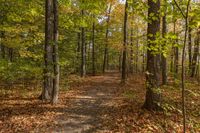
88	109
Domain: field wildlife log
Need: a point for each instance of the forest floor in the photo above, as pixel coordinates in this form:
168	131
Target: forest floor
98	104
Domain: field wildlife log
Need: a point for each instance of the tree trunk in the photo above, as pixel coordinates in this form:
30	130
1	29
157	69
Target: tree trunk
176	59
93	49
78	51
137	54
105	61
3	53
83	49
190	46
153	94
124	54
131	52
2	46
195	55
47	53
176	53
120	61
185	15
172	60
164	60
55	54
10	52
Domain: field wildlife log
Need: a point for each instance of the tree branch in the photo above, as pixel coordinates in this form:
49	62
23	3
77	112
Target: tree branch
180	9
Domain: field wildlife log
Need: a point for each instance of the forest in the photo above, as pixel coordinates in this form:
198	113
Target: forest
100	66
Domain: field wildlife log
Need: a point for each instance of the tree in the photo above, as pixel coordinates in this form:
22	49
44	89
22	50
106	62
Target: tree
105	60
83	49
164	59
185	15
153	94
47	89
195	54
124	54
56	70
93	48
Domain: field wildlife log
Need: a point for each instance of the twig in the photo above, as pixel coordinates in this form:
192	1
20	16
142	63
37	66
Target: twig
180	8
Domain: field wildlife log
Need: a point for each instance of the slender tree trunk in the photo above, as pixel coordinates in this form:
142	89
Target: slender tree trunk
164	59
3	53
2	46
190	47
185	15
153	94
183	71
93	50
172	60
143	60
10	52
176	53
105	61
176	60
124	55
137	53
131	52
47	52
83	50
120	61
78	51
55	54
195	55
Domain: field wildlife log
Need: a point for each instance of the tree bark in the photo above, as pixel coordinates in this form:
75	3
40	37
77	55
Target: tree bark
153	94
124	54
55	54
47	52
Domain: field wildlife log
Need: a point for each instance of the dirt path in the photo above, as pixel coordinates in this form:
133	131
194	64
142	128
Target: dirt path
87	110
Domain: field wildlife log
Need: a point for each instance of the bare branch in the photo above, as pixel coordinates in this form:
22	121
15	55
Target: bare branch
180	9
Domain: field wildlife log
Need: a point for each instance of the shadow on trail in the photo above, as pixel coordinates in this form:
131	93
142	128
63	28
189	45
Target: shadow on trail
88	110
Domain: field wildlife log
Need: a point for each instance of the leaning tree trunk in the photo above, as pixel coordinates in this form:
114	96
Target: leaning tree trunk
153	95
55	54
124	54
